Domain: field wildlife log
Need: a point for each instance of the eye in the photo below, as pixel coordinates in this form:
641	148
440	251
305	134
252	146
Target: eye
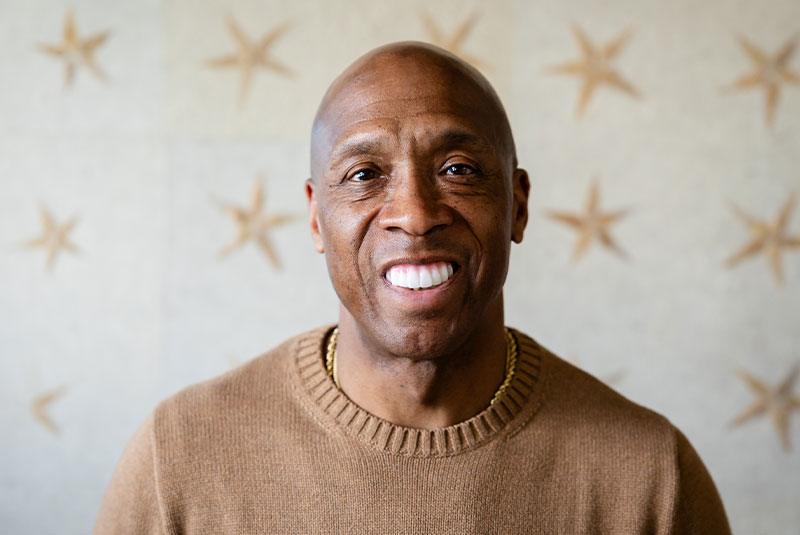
362	175
459	169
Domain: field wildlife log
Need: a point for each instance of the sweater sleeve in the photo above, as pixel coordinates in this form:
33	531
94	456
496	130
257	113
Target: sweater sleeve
130	504
698	508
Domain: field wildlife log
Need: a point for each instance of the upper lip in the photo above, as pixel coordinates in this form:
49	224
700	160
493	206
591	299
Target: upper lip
418	260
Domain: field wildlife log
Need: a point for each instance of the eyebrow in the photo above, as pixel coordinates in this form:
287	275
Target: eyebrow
367	143
354	147
460	138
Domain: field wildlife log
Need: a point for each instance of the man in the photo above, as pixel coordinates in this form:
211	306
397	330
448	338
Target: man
420	412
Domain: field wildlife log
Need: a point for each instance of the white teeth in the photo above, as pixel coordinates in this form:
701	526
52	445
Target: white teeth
399	278
425	278
412	280
415	277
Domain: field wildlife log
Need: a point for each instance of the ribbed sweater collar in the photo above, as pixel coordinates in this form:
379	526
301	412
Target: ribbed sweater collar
334	409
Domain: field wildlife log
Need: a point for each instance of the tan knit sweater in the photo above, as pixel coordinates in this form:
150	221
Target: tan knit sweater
274	447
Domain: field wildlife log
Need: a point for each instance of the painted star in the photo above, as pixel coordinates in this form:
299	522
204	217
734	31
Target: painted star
76	51
39	407
54	237
770	72
251	55
595	67
592	224
778	402
254	225
770	238
452	43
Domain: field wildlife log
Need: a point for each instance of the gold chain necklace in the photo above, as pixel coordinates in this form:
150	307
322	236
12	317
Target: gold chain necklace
511	361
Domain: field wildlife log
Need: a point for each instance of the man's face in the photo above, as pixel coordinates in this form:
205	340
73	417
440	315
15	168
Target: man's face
415	202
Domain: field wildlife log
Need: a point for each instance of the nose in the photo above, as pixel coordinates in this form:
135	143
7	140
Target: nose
415	204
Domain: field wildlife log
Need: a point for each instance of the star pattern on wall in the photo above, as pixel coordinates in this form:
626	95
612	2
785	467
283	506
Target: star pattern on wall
41	403
251	55
770	404
54	237
770	72
453	42
595	67
592	224
75	51
254	224
767	238
778	401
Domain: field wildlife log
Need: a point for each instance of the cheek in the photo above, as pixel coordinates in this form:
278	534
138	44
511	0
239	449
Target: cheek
487	216
492	228
343	233
496	245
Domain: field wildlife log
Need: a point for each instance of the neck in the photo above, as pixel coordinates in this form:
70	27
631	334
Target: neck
428	393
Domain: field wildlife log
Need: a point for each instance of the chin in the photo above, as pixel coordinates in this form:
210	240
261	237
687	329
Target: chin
421	339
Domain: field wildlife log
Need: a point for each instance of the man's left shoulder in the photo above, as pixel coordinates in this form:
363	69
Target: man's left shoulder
579	408
624	463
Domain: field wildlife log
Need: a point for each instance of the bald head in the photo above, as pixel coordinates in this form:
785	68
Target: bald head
407	72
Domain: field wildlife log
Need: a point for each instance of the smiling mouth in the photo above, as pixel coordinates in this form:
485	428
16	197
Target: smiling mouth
420	277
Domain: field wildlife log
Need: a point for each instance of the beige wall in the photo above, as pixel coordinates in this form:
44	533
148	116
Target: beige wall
144	160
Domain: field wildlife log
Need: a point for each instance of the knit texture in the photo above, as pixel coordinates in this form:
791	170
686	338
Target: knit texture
274	447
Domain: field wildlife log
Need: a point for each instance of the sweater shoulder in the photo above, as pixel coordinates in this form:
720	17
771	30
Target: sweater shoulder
629	462
240	398
589	407
228	387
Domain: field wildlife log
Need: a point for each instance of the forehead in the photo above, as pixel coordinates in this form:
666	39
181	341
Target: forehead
406	104
418	123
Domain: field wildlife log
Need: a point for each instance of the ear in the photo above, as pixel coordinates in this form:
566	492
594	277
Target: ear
313	217
519	210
